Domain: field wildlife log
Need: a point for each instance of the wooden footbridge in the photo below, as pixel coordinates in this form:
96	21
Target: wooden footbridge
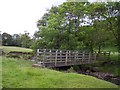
58	58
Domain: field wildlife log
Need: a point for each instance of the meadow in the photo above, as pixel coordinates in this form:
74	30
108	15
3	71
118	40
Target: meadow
21	74
7	49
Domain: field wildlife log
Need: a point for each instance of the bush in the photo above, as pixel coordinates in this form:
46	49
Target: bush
13	56
71	70
76	68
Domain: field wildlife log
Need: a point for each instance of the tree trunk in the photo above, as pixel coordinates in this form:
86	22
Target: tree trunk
118	40
91	47
99	48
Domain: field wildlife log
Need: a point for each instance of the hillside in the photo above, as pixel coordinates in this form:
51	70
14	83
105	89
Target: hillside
20	74
7	49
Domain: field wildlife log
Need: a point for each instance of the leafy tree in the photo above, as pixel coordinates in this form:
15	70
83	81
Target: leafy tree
6	39
25	40
62	26
78	25
112	16
16	40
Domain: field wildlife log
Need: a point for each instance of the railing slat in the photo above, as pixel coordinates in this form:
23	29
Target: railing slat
56	58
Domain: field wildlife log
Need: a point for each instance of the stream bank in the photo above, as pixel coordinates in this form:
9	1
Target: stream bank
95	70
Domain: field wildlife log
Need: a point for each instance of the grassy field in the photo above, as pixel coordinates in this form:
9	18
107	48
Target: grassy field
7	49
0	73
20	74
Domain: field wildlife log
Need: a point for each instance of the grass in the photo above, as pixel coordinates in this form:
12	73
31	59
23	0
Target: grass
20	74
0	73
7	49
110	48
114	69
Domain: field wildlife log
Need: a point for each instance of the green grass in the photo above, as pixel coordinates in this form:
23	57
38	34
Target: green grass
110	48
7	49
20	74
0	72
113	52
114	69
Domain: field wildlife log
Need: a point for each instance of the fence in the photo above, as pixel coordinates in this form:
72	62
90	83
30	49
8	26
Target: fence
57	58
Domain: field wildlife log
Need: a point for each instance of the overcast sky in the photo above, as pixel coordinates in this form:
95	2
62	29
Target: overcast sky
17	16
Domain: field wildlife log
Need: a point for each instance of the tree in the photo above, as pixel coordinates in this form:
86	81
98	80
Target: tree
112	16
77	25
25	40
6	39
102	36
16	40
62	26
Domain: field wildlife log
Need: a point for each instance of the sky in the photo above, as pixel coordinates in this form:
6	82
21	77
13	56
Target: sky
17	16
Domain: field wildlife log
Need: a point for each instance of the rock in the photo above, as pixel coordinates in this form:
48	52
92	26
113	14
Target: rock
36	65
87	71
115	80
94	69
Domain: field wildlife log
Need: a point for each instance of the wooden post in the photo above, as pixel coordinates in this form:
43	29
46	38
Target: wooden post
108	57
56	57
37	52
50	56
95	54
66	57
89	57
75	56
83	56
69	55
60	55
37	59
104	55
44	57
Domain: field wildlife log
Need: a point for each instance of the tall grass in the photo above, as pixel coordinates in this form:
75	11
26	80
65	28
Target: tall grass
20	74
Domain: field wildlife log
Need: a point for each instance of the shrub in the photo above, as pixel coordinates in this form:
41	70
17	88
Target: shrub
70	70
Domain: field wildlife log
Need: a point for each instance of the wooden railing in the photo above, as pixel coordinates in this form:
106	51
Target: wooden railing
57	58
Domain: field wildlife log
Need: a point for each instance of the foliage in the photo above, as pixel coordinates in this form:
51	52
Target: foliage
6	39
114	69
15	72
71	70
79	25
20	40
113	18
25	40
16	40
